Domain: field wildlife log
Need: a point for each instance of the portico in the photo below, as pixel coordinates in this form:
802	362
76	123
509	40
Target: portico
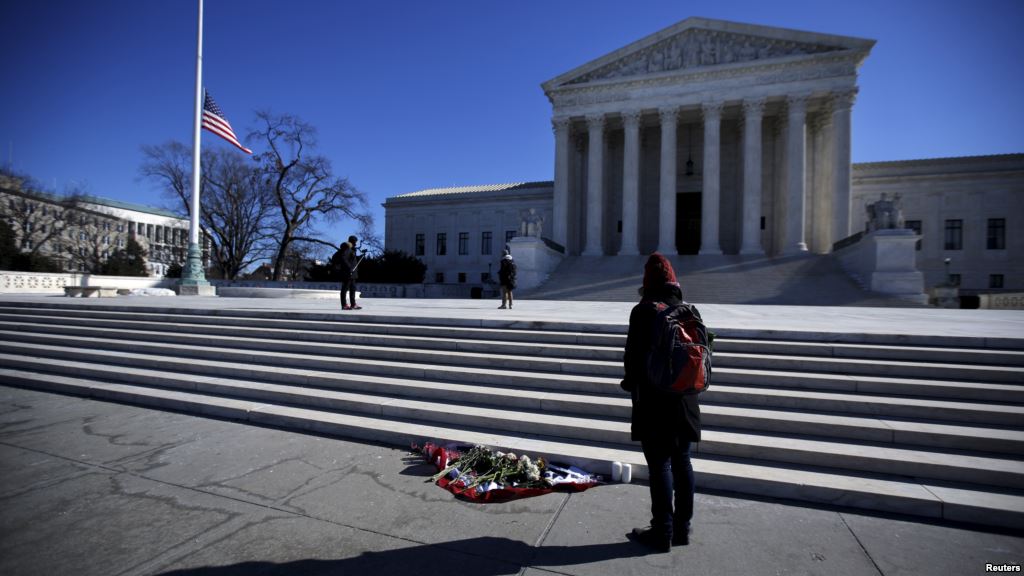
708	137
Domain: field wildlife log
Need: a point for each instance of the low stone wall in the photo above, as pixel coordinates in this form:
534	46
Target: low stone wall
55	282
1004	301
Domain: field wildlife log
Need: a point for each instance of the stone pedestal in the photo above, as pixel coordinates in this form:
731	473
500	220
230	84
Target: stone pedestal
945	297
195	290
535	260
885	261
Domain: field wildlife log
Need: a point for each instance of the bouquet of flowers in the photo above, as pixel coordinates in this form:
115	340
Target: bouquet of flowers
480	474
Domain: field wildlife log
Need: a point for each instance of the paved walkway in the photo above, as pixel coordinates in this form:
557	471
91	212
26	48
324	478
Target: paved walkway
92	488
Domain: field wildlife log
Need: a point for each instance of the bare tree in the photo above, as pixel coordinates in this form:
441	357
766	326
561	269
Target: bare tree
305	190
235	206
43	223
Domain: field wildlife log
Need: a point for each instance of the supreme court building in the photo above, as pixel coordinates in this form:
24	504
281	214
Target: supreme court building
708	137
717	136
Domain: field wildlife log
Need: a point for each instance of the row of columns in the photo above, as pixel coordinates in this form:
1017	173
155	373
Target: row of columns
794	192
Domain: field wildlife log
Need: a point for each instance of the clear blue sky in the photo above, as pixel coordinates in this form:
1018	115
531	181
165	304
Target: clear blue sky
409	95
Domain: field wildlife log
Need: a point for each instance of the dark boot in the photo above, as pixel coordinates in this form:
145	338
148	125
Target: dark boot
654	539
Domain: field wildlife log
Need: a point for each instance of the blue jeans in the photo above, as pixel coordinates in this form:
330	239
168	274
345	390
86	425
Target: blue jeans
671	483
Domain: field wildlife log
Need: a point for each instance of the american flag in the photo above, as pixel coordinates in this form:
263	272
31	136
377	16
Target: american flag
214	121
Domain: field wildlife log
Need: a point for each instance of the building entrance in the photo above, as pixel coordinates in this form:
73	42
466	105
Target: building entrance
688	213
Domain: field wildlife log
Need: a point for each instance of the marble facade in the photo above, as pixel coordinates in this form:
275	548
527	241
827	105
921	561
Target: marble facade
714	137
708	137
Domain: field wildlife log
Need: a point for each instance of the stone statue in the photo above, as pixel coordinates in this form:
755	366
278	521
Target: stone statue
532	223
885	214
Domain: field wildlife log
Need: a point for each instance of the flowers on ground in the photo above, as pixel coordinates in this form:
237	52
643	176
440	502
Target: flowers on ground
479	473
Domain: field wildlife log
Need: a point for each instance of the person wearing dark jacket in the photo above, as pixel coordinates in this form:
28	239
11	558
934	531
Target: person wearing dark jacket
507	279
663	423
349	264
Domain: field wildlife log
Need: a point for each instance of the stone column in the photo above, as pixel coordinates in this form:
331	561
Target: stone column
796	160
667	196
560	208
595	186
842	104
711	200
821	212
630	184
753	115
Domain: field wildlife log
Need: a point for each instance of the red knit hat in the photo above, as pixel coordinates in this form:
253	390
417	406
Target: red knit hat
658	272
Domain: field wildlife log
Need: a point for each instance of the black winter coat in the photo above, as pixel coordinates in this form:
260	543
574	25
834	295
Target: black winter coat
347	262
507	273
656	414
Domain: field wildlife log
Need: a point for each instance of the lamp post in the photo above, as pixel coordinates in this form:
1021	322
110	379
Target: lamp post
949	280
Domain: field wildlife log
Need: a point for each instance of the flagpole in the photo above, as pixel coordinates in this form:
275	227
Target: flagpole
193	279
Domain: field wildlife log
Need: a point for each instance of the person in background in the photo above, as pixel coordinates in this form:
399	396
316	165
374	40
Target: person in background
349	265
663	423
507	279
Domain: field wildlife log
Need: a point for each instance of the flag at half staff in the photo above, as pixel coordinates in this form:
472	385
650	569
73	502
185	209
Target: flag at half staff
214	121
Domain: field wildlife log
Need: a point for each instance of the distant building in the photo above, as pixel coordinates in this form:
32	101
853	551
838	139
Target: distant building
81	232
969	210
713	137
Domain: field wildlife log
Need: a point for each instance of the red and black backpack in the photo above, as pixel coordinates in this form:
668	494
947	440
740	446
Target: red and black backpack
679	361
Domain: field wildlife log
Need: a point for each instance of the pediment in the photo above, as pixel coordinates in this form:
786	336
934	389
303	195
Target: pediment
700	43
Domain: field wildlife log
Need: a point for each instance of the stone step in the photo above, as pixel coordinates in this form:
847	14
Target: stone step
872	367
227	361
920	388
882	492
870	458
541	358
935	354
848	456
589	333
331	326
543	341
832	426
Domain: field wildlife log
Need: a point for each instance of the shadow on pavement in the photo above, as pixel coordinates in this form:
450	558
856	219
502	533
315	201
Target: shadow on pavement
442	559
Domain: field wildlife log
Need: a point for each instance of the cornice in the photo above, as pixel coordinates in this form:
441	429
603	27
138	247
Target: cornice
796	69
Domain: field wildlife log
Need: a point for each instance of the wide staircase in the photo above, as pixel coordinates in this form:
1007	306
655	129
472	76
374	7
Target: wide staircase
926	426
805	279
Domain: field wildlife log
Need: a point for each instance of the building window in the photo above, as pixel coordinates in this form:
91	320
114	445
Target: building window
120	227
915	225
509	235
442	243
28	226
439	277
463	243
26	244
462	277
954	235
421	241
995	280
81	235
485	243
996	234
954	279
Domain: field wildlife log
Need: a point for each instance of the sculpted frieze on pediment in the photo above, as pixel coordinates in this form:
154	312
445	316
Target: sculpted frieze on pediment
696	48
703	80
